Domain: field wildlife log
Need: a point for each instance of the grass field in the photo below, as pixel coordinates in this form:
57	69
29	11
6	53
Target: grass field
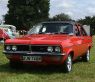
82	72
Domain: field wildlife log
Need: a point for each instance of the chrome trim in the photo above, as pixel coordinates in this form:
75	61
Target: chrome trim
32	45
33	53
30	49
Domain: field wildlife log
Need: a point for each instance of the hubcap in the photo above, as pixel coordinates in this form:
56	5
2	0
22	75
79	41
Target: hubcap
88	55
69	63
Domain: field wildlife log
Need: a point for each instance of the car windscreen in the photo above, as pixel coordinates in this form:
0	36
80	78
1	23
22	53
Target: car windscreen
45	28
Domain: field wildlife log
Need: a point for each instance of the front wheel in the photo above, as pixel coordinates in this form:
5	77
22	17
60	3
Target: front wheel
68	64
86	57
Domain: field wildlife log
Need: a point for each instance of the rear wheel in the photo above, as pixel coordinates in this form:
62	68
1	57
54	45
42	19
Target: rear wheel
68	64
86	57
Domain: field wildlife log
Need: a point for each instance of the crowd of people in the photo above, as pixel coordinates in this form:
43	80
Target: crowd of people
22	32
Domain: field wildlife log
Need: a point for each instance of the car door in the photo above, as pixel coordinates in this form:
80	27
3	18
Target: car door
77	42
80	41
85	40
1	33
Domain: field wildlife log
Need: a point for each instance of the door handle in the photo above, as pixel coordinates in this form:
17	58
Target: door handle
82	38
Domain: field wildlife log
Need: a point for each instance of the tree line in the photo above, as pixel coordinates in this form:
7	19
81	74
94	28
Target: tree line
25	13
88	20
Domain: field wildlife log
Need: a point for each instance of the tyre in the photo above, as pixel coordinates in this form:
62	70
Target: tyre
14	64
86	57
68	64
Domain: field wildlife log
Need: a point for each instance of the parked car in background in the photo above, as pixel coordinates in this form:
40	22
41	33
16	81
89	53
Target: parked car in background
3	34
7	31
50	43
12	27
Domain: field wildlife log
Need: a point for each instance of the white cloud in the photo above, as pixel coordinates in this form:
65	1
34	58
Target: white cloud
69	13
66	4
3	8
91	10
75	8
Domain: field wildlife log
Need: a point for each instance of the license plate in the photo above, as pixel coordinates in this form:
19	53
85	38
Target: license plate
32	58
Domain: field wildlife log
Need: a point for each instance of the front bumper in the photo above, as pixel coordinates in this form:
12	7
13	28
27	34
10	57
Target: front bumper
47	58
32	53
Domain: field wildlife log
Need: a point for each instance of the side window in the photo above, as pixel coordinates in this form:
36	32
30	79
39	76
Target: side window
83	33
77	32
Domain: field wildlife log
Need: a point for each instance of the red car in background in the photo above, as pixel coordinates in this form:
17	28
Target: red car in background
7	32
3	34
50	43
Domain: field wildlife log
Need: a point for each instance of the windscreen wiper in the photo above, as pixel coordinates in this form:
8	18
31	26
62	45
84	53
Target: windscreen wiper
60	33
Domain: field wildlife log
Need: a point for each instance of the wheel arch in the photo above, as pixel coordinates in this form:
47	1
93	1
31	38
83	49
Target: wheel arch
71	52
89	47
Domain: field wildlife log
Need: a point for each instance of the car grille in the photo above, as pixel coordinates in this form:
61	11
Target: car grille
33	48
39	48
19	47
23	48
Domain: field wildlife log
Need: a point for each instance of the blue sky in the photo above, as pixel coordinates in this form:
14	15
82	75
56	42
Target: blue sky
75	8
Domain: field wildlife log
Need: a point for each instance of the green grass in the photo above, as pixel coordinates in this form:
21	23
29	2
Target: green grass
82	72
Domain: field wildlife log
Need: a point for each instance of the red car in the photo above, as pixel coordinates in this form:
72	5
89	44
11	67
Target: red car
50	43
7	32
3	35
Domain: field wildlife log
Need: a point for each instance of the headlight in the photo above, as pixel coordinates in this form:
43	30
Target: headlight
57	49
14	48
8	47
50	49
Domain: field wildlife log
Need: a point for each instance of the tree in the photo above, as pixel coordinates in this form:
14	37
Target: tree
88	21
24	13
61	17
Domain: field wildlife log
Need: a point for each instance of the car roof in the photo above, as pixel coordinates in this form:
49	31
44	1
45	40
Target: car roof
70	22
7	26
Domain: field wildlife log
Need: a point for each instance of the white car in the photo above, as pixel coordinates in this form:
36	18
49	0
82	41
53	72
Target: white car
10	30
